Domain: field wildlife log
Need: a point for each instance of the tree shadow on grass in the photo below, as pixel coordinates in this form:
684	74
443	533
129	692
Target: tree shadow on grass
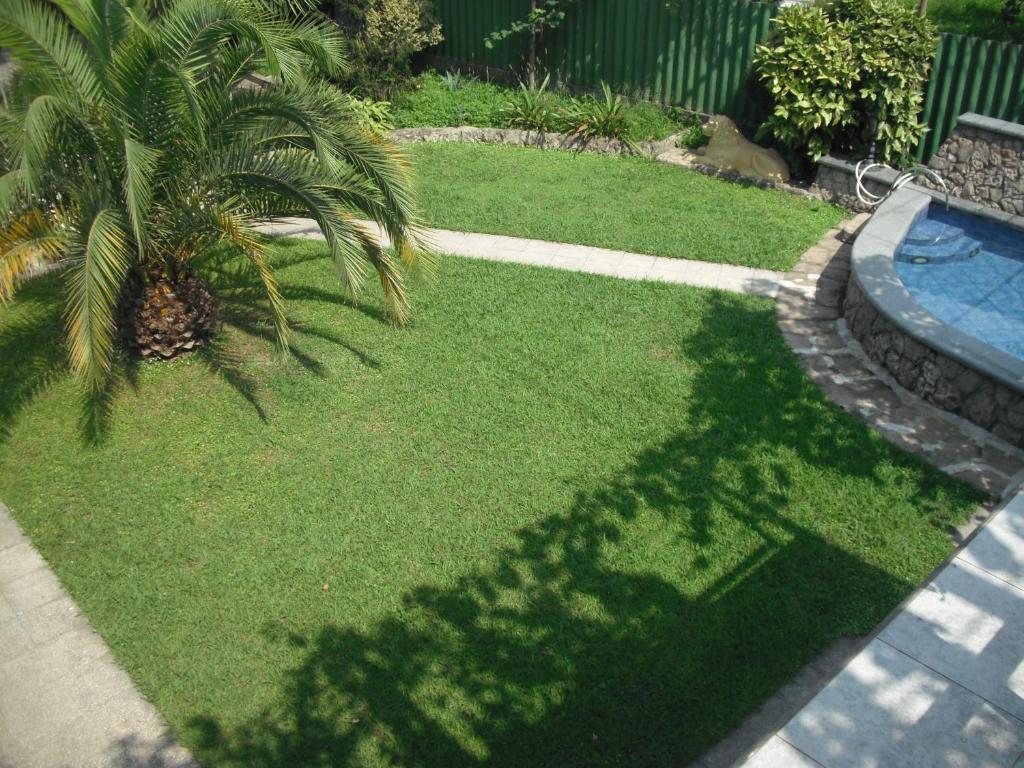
557	655
34	356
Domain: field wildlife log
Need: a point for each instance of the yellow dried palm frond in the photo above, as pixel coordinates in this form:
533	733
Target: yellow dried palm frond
29	244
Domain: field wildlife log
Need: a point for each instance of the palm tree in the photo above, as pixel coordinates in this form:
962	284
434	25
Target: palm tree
132	140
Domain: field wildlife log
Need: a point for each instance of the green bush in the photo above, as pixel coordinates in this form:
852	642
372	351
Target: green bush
832	69
1001	20
590	118
691	130
385	34
374	117
435	101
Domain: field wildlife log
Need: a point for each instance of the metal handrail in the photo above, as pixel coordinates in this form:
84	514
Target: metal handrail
905	177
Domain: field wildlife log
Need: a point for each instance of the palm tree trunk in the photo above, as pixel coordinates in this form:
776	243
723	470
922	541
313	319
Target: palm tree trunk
163	316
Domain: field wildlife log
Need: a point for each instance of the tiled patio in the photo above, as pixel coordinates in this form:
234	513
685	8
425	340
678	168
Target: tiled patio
942	685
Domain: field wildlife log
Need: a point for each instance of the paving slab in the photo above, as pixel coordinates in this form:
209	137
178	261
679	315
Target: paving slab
780	754
576	258
999	546
942	683
886	709
64	700
968	626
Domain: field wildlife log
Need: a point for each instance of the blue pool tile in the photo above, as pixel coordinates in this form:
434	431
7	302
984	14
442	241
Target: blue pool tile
979	292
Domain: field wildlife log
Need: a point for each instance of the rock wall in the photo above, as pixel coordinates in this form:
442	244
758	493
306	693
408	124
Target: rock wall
519	138
983	161
948	384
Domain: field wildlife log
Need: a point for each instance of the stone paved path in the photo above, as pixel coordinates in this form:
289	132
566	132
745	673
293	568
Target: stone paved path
941	685
578	258
64	701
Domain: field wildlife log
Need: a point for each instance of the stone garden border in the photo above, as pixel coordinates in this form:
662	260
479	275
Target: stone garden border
519	138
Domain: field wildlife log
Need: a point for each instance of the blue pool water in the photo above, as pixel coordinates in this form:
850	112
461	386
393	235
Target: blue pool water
968	272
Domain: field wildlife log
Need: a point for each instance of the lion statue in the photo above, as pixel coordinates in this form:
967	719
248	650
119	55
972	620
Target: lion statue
729	150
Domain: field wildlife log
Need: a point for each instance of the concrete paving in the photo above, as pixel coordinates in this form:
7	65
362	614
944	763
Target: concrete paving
64	701
577	258
941	685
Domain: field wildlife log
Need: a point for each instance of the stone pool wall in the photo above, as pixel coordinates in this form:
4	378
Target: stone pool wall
983	161
937	378
836	182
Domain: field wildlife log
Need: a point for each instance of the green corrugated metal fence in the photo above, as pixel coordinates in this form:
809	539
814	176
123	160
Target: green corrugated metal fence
701	57
971	75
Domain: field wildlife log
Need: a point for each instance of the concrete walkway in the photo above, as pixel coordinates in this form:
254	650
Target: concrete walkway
64	701
941	685
578	258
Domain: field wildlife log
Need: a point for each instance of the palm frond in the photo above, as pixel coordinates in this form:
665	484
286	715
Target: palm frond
136	112
98	262
28	243
140	163
234	230
40	128
12	191
38	35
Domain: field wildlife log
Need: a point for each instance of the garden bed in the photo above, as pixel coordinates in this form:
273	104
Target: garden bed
453	99
560	520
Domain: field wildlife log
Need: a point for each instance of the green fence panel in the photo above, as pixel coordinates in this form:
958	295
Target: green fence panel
971	75
701	57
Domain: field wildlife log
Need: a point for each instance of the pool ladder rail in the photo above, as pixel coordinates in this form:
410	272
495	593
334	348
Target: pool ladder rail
872	200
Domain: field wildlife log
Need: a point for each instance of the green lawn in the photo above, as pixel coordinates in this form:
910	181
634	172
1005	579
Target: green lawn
629	204
979	18
561	520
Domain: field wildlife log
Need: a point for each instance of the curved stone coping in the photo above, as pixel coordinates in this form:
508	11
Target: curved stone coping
874	269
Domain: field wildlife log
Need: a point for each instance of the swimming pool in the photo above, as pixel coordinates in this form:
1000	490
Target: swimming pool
968	272
936	298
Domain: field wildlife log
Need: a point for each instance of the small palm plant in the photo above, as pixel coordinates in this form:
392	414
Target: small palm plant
591	118
132	140
531	108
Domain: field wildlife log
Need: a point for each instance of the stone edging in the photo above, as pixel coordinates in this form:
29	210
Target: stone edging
991	125
808	309
664	151
514	137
